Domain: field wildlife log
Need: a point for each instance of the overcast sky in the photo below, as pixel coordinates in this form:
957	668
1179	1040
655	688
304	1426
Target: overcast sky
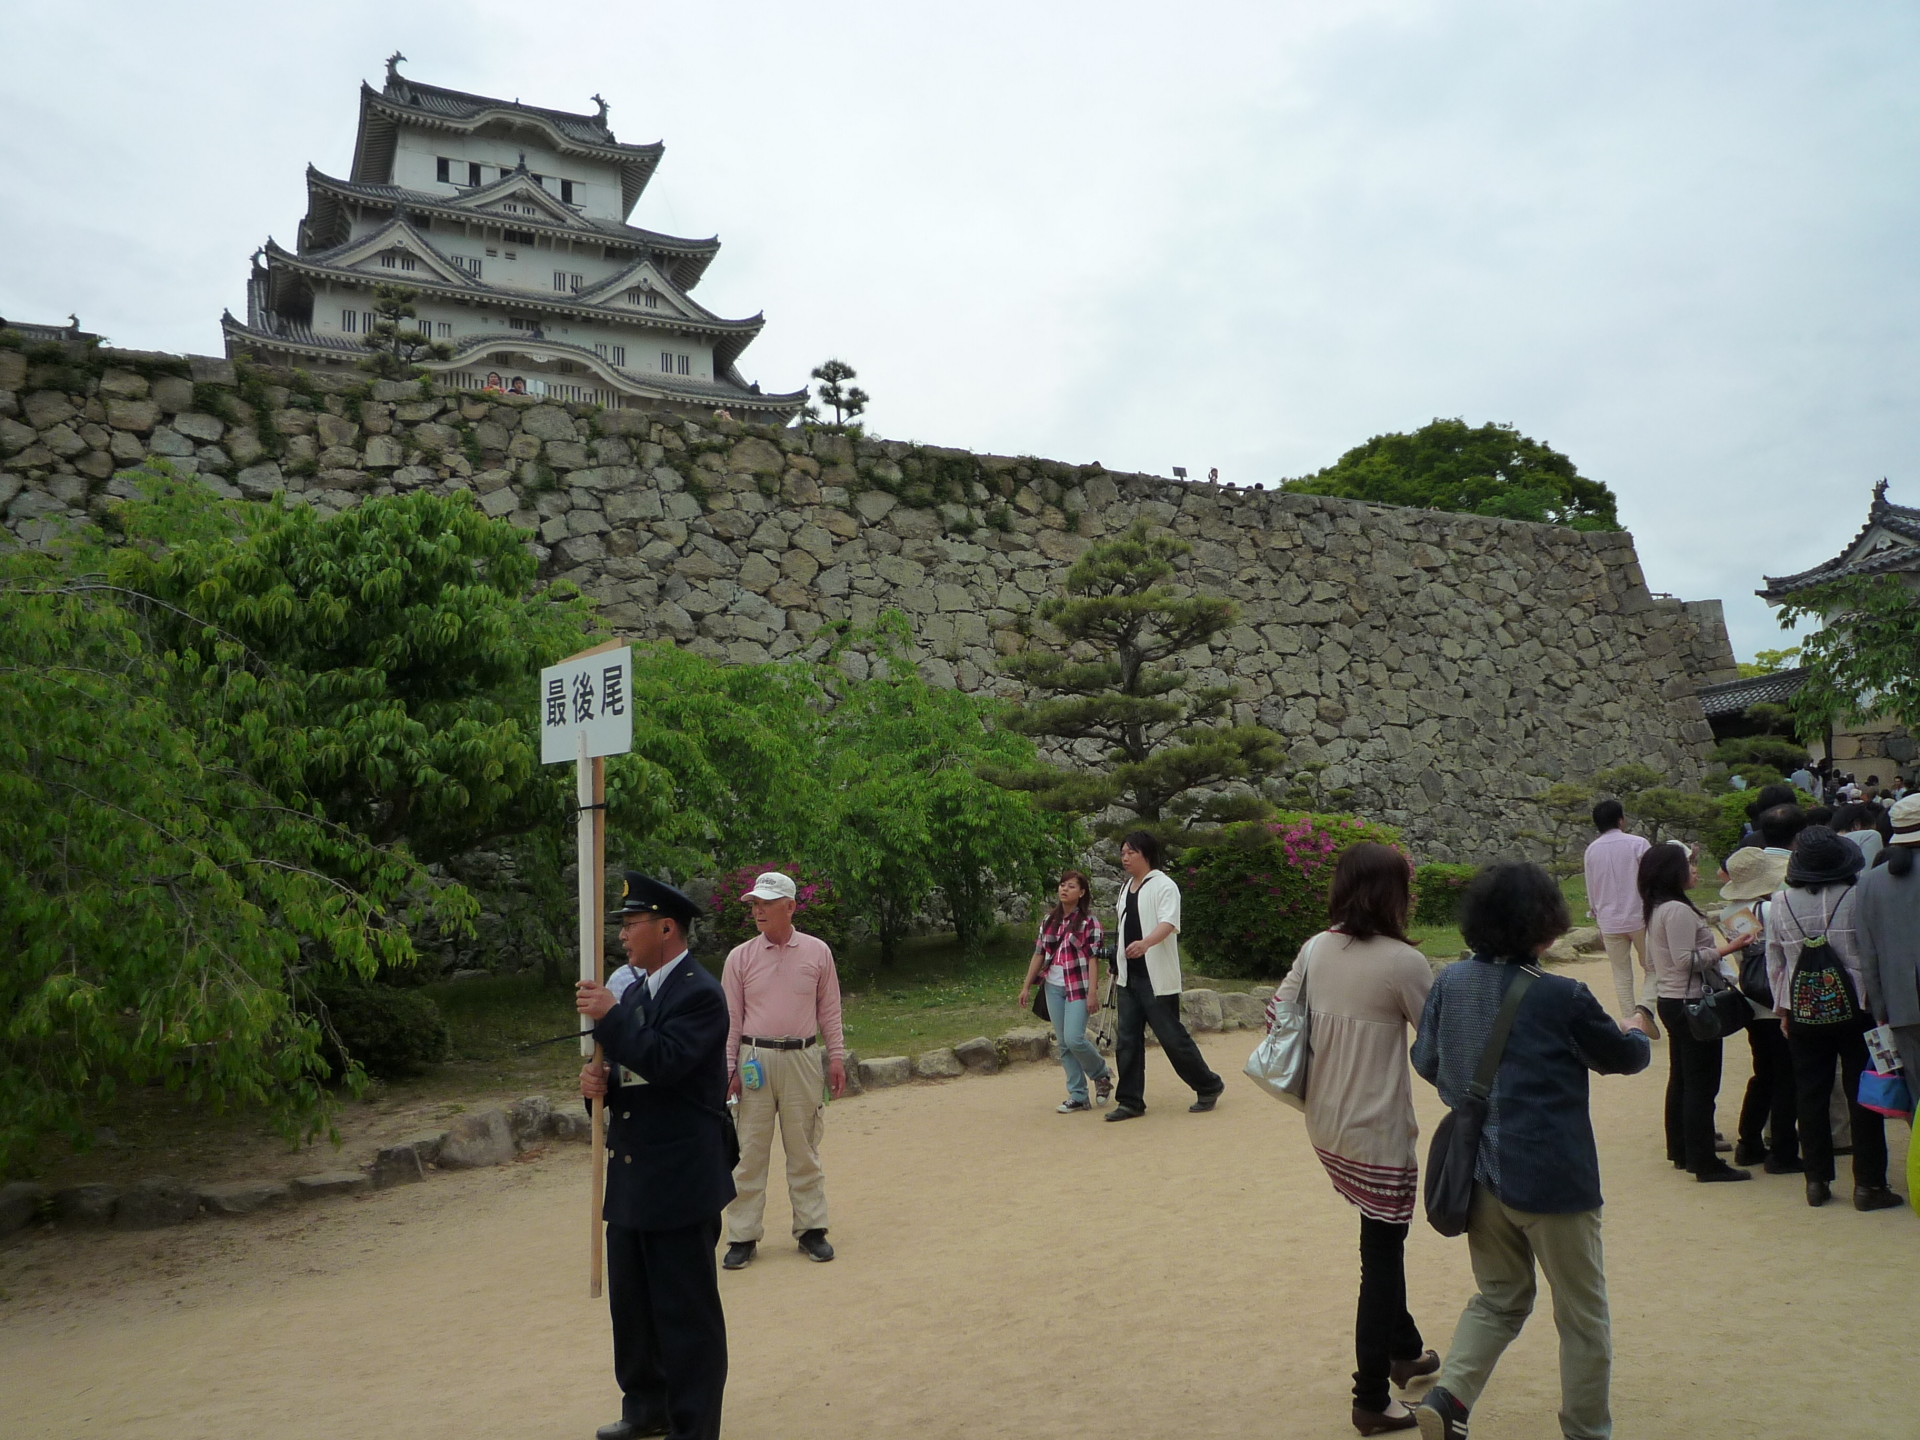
1675	242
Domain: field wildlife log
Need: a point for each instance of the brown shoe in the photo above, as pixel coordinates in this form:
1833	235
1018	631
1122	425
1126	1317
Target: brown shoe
1400	1372
1376	1422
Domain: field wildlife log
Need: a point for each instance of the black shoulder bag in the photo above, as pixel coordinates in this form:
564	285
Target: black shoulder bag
1455	1152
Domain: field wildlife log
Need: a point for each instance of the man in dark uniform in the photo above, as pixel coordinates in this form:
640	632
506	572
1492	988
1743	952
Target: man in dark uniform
668	1173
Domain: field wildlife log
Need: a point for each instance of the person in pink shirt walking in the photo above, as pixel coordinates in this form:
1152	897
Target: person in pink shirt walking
1613	900
783	1008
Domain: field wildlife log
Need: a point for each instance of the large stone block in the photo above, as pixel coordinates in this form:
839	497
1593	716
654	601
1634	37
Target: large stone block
940	1064
475	1141
397	1165
20	1204
172	393
1200	1010
330	1182
139	416
755	456
245	1197
885	1071
1240	1011
527	1119
86	1204
549	422
154	1203
978	1055
1026	1042
334	431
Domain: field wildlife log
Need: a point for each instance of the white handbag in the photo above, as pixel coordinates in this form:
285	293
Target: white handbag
1278	1064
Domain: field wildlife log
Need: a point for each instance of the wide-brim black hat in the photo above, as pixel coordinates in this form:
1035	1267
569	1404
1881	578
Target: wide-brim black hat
643	895
1822	857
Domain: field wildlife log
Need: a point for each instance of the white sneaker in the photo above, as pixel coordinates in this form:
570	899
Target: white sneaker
1068	1107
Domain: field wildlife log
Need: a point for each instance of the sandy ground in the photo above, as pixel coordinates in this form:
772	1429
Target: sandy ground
1002	1270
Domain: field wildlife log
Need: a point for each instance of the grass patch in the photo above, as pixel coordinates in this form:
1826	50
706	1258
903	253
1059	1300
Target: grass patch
934	994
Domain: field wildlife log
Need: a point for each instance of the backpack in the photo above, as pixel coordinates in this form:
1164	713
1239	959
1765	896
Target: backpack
1753	963
1821	990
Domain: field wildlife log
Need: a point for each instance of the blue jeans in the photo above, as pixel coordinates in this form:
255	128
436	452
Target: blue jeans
1079	1057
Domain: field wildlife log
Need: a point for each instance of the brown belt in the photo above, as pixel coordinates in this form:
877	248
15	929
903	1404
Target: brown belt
811	1040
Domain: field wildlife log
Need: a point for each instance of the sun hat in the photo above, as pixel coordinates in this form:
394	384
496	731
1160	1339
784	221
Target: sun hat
1753	874
773	886
1820	857
1905	816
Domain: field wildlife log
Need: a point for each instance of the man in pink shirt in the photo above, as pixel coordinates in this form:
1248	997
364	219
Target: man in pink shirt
1613	900
783	1001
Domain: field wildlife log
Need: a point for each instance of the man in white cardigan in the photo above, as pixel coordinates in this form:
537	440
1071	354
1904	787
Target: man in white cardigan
1147	966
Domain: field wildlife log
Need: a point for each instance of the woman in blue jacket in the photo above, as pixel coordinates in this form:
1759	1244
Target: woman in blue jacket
1537	1178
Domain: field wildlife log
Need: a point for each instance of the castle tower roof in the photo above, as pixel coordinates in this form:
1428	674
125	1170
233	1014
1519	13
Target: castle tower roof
1888	544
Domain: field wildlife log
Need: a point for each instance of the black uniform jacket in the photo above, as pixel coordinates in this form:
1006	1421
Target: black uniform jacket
666	1165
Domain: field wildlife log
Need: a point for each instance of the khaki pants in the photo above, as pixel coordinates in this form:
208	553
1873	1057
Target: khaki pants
1621	950
1503	1244
792	1094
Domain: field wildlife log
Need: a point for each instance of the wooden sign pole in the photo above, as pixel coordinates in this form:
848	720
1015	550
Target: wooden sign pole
594	1263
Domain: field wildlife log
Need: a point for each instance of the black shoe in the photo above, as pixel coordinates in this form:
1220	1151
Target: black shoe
1818	1193
1875	1197
738	1254
1377	1422
814	1243
630	1429
1122	1112
1404	1372
1781	1167
1679	1164
1204	1104
1441	1416
1745	1154
1722	1172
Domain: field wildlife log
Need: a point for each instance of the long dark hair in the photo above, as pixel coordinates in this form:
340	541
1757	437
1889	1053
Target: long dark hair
1664	871
1370	892
1058	915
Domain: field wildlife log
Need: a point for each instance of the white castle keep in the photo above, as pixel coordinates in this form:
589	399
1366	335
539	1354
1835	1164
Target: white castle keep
510	222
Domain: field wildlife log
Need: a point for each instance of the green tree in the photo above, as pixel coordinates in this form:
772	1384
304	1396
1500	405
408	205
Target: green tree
159	906
1485	470
1116	680
409	632
1566	809
396	342
1671	810
847	402
912	813
1770	662
1865	663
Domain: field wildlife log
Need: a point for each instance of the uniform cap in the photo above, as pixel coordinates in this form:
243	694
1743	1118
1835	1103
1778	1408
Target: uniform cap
643	895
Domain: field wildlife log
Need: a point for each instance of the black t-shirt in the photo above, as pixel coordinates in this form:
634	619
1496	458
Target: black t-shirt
1130	926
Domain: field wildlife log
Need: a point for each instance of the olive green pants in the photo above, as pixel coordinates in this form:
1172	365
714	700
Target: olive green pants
1504	1244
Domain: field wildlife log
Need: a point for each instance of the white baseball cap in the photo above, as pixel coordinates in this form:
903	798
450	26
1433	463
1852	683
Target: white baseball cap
773	886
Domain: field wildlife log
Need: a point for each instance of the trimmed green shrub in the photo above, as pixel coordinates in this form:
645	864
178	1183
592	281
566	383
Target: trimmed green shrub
1437	890
1249	903
390	1033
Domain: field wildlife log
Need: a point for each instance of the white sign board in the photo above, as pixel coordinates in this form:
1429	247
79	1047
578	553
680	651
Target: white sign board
590	695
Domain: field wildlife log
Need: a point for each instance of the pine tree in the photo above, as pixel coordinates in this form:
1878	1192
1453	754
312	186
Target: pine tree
1115	679
396	349
847	402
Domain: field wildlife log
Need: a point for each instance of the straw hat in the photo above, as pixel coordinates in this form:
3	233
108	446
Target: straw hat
1752	874
1905	816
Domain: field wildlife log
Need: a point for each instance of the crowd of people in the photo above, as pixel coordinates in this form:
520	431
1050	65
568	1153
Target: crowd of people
1820	934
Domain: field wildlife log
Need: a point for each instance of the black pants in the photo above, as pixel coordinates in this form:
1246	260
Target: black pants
1693	1085
669	1332
1814	1049
1383	1331
1139	1008
1772	1095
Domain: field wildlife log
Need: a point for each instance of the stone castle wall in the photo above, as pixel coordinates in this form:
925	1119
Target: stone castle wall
1443	666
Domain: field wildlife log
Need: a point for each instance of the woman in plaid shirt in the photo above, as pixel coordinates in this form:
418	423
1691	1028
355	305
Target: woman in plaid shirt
1066	952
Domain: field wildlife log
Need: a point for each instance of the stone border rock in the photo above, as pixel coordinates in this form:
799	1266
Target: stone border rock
491	1137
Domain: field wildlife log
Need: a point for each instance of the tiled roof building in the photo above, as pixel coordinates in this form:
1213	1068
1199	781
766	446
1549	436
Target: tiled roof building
511	222
1888	544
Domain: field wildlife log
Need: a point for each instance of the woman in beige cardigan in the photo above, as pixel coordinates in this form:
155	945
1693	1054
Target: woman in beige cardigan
1365	988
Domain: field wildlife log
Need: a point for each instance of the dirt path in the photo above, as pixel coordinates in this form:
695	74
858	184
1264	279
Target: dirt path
1002	1270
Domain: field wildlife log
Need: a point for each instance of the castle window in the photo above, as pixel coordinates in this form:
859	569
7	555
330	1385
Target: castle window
518	237
446	329
512	255
599	349
666	362
443	170
578	281
619	354
559	279
686	364
350	321
633	297
366	321
493	252
566	192
473	173
653	301
407	262
566	367
388	260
